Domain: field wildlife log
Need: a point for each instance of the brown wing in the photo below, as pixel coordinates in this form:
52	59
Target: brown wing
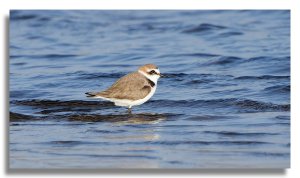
132	86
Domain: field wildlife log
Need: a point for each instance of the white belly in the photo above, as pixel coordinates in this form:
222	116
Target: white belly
130	103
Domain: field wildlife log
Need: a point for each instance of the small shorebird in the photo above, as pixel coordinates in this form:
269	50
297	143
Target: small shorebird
132	89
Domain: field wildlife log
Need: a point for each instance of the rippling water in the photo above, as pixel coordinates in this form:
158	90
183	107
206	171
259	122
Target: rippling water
225	101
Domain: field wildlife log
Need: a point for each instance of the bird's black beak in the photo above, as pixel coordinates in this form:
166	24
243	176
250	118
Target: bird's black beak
161	75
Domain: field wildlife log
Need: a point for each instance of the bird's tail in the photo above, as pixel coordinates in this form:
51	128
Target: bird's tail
91	94
96	95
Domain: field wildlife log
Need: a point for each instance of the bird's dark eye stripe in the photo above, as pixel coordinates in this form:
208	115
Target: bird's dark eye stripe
152	72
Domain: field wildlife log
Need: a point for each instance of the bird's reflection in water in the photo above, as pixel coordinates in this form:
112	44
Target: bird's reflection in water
142	119
147	133
137	121
122	119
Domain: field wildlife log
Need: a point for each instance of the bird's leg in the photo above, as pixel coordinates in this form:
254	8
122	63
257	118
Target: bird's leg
129	110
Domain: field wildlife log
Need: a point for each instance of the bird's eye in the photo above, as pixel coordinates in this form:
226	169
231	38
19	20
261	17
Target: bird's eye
152	72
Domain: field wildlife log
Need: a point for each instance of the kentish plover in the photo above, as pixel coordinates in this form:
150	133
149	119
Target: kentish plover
132	89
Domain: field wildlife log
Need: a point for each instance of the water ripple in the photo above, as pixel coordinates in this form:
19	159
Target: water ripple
204	27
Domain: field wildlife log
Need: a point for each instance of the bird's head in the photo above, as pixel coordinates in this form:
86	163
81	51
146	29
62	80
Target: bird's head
151	71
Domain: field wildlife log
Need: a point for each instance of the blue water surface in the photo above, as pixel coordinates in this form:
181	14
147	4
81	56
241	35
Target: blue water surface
224	103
